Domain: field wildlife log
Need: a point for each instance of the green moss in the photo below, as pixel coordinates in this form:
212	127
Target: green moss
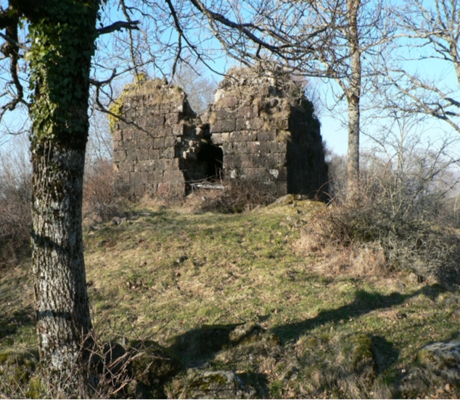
152	363
205	383
36	389
361	350
116	109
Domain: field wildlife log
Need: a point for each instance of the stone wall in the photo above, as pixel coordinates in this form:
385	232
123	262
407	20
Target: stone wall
268	133
259	128
148	141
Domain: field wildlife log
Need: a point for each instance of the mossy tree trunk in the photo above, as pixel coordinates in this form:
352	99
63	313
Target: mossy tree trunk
62	35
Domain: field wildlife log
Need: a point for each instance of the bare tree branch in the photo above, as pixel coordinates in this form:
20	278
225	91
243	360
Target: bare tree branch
117	26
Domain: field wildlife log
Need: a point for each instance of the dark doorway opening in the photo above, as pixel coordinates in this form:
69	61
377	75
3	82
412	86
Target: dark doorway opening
213	156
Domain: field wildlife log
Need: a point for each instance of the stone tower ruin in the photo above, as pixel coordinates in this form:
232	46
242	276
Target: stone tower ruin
260	128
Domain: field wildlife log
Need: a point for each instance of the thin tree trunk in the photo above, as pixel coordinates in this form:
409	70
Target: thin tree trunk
62	33
353	149
353	97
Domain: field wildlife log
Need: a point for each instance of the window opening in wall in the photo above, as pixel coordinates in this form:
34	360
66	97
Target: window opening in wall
213	156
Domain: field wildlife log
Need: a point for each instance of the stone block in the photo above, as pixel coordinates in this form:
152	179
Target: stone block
142	154
117	135
230	101
229	149
175	177
177	130
256	174
241	124
128	134
119	156
159	164
240	148
253	147
131	155
233	161
151	189
130	144
171	190
224	114
227	125
173	118
278	147
144	177
237	136
220	138
167	131
159	143
126	167
156	176
246	163
154	154
265	136
168	152
255	123
123	177
170	141
173	164
249	112
138	190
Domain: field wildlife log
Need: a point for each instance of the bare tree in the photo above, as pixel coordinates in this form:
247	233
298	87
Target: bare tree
429	33
49	70
332	39
199	87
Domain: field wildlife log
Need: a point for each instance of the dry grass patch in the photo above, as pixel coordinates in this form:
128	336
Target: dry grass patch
165	274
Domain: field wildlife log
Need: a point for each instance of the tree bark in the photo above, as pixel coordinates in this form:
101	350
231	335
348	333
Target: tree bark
63	33
353	97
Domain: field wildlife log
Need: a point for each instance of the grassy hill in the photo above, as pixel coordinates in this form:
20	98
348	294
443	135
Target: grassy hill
166	274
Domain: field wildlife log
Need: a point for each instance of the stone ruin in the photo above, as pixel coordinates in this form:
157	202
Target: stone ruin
260	128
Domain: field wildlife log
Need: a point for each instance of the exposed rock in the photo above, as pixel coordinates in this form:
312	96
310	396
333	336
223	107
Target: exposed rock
441	360
437	367
152	365
217	385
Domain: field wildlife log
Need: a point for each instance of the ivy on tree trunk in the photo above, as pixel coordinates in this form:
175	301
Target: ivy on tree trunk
62	34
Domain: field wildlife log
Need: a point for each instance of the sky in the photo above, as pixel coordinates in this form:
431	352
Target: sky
333	124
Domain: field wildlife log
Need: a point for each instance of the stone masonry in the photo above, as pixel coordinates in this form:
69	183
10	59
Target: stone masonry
260	128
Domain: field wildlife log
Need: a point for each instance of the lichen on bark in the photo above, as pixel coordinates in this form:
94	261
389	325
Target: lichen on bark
62	34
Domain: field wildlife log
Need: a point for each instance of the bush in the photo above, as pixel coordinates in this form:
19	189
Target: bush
239	195
400	216
15	208
98	192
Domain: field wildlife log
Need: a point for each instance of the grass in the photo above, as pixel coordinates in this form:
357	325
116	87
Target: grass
166	272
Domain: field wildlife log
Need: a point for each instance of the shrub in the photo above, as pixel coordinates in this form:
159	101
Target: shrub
15	208
399	216
239	195
99	202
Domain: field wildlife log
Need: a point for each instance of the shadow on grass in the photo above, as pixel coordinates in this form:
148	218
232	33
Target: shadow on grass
364	303
384	352
202	343
11	324
197	349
